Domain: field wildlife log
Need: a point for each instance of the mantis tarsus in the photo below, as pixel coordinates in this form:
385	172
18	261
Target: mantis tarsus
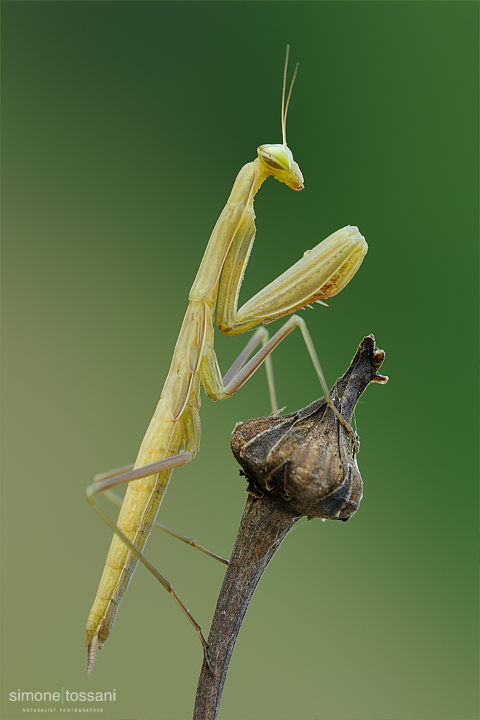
173	436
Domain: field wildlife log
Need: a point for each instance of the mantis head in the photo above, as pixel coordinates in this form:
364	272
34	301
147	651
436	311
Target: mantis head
278	160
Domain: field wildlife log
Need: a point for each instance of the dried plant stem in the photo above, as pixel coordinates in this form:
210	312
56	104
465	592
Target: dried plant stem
262	530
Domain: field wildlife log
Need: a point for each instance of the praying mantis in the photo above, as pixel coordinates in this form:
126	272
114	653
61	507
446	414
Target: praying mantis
173	436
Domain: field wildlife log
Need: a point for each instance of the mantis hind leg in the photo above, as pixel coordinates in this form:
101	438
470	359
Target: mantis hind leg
118	500
104	483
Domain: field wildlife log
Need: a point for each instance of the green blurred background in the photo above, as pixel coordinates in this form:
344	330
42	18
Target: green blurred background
124	125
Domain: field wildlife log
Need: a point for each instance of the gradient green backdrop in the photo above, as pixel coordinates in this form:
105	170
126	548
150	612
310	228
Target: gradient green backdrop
124	125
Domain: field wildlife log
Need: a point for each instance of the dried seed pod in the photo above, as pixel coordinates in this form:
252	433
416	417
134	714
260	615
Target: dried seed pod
306	459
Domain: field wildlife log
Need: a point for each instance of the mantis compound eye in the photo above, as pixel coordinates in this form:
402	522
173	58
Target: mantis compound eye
275	157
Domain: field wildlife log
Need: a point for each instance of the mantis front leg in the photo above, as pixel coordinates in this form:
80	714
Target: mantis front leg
321	273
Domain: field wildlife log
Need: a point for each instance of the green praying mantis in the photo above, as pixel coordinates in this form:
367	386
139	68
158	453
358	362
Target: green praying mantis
173	436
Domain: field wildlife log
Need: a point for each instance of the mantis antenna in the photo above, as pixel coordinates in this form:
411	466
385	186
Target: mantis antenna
285	106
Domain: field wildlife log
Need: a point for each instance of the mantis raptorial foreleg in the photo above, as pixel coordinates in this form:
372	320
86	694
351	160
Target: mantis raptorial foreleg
173	436
288	292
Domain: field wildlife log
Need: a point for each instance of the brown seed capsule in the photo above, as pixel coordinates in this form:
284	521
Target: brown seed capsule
306	459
